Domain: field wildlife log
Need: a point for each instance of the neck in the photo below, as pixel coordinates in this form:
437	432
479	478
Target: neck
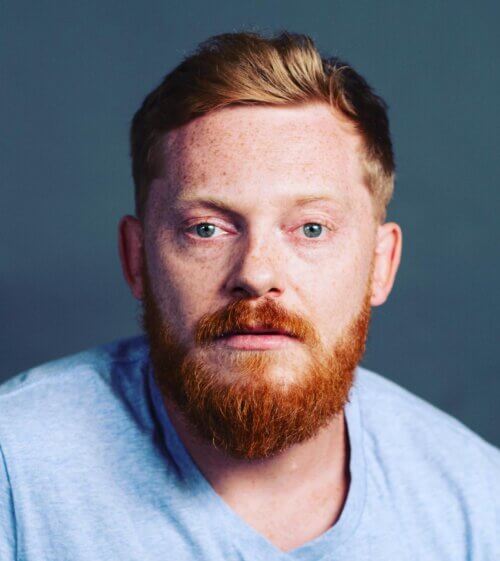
319	463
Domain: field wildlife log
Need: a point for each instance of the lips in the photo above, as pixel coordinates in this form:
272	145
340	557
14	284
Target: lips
256	339
258	331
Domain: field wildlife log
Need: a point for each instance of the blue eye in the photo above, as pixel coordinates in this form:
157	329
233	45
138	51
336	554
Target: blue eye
313	228
205	229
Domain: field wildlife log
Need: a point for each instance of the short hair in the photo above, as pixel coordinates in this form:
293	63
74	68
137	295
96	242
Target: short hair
247	68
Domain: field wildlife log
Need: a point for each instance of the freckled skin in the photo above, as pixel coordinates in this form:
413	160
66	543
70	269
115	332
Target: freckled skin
258	160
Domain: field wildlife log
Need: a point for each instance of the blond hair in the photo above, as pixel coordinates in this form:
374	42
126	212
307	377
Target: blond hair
247	68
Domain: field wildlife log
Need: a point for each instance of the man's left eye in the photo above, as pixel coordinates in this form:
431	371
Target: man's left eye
313	229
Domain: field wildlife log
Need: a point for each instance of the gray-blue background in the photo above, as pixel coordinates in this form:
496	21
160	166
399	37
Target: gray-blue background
73	73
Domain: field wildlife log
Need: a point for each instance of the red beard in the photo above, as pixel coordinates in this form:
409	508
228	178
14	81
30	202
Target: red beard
256	415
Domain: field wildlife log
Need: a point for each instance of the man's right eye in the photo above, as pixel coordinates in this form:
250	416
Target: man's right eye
203	229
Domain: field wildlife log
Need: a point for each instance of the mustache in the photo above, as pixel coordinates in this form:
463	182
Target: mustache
243	315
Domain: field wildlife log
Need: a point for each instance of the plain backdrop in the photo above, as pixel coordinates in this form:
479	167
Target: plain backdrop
73	74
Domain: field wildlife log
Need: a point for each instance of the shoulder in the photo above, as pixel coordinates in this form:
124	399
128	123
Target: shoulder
68	429
64	394
392	412
386	403
94	361
425	455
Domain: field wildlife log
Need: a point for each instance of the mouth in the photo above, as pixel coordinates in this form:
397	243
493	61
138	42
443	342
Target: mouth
257	331
256	338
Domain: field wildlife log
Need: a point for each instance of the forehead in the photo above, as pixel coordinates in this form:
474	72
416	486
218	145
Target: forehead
248	151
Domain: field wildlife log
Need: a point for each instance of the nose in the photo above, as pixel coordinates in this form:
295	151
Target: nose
257	270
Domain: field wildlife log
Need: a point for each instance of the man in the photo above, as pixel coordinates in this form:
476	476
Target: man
242	426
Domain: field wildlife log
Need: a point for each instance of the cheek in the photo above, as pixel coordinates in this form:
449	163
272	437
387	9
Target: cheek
183	287
334	289
329	296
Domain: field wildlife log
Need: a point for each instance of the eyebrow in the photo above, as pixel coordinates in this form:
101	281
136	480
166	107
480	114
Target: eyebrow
185	203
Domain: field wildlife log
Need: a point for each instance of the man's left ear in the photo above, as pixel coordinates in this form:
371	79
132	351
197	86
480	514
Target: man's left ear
388	247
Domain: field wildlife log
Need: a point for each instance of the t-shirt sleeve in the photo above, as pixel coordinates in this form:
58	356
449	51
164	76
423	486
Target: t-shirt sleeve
7	517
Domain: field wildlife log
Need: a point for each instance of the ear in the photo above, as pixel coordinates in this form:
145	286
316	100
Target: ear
388	246
130	243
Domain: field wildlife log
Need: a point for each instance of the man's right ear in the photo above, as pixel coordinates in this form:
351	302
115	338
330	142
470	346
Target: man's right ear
130	245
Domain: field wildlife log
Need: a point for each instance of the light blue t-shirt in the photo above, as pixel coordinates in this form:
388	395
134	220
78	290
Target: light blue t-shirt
91	469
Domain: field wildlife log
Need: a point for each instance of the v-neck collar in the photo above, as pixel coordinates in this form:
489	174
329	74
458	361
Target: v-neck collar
214	510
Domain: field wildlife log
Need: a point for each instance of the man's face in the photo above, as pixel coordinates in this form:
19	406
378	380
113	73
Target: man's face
261	221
